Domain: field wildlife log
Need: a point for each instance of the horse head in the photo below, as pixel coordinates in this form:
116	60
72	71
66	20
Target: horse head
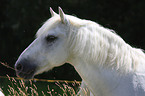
48	50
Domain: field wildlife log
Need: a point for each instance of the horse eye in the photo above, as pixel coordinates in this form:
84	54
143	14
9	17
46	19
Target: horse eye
51	38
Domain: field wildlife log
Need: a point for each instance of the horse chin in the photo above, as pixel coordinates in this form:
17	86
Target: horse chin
29	75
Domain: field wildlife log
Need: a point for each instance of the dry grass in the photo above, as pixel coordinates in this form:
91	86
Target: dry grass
20	87
30	88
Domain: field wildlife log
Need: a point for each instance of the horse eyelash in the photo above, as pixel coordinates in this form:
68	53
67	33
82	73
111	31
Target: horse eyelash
51	38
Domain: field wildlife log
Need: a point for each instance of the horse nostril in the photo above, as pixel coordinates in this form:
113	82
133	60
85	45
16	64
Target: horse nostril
19	67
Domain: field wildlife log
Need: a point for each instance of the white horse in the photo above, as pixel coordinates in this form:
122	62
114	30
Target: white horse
1	94
107	65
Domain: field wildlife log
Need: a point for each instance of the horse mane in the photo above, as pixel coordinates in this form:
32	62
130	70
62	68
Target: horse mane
102	46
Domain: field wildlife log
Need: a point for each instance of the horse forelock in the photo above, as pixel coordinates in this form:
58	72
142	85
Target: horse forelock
53	22
50	23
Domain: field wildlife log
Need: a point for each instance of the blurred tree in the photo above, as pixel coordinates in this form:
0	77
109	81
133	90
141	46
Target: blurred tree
20	19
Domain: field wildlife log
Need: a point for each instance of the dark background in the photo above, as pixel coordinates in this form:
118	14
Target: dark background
20	20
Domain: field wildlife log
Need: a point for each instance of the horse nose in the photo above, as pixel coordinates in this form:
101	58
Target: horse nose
22	65
19	67
25	68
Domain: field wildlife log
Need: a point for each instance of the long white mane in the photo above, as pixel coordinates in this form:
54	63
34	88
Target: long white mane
103	46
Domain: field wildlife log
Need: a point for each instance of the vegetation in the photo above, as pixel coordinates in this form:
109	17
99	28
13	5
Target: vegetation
18	87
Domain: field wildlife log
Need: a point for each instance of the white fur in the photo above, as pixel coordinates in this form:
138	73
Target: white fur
1	94
106	63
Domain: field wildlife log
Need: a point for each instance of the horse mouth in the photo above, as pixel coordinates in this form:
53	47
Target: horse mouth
26	75
25	69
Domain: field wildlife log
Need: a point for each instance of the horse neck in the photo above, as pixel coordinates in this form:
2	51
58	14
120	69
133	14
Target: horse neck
100	55
101	46
101	81
107	81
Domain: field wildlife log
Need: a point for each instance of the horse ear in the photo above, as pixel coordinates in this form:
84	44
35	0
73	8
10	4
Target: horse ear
62	16
52	12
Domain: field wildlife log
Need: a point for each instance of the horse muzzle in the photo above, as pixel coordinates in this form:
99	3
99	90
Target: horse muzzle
25	69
